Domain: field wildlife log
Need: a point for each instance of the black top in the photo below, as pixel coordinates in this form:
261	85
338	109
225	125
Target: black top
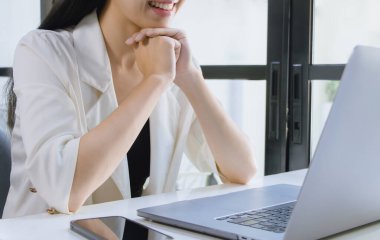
139	161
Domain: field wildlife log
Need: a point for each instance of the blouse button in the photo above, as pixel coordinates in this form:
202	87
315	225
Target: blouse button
33	190
52	211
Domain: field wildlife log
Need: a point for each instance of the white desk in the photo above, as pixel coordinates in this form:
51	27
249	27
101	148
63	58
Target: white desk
45	226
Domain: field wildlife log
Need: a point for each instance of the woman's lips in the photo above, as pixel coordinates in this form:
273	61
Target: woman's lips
162	5
163	9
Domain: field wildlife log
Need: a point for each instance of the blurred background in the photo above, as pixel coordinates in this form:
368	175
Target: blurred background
234	41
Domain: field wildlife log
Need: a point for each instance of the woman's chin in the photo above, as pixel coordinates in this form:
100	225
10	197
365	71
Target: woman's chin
156	23
155	26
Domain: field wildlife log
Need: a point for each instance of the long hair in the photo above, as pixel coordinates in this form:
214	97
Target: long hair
64	14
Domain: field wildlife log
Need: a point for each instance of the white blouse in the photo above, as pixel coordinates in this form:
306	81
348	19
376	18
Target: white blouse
64	88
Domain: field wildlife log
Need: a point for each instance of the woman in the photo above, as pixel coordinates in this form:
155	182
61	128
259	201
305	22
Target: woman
107	96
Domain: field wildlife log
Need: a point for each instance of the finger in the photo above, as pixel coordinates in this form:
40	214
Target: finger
170	32
131	40
154	32
177	49
177	45
142	34
139	36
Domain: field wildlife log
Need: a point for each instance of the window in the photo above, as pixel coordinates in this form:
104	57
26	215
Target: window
229	40
309	42
339	26
273	64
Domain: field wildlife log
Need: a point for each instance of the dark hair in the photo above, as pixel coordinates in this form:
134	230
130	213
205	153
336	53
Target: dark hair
64	14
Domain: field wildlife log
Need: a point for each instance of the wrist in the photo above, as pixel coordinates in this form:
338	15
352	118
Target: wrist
160	79
192	86
189	81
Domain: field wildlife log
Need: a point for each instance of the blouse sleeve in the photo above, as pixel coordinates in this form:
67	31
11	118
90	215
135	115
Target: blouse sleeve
48	118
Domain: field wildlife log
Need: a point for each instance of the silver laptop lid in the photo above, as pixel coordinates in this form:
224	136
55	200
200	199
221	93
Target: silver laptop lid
341	190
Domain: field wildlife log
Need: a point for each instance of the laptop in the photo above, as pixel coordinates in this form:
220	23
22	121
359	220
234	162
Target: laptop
341	188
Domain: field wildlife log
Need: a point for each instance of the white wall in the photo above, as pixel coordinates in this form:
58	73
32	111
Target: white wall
17	17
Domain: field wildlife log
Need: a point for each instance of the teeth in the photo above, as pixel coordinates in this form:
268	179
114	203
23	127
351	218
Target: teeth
165	6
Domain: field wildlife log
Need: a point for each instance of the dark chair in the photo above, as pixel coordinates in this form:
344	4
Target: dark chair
5	169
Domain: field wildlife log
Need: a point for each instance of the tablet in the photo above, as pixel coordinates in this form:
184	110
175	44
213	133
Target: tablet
114	228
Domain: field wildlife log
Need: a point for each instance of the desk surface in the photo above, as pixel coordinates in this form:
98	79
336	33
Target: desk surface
45	226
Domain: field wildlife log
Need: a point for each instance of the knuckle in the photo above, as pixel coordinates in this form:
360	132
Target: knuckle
146	31
163	39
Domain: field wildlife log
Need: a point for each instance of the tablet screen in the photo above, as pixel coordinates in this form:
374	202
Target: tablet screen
114	228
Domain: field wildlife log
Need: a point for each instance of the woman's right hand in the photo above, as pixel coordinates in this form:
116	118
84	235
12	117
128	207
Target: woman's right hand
157	56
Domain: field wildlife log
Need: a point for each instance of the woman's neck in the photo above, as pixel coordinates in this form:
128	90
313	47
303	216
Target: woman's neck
116	30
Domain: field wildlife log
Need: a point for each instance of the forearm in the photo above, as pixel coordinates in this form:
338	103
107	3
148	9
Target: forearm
102	148
229	146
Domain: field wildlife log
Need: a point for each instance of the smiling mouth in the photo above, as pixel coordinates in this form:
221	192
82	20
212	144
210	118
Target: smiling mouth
164	6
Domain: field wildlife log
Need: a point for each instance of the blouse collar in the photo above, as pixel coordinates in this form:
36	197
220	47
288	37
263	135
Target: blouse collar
93	62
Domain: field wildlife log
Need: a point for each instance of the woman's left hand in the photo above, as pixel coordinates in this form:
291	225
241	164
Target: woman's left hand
186	69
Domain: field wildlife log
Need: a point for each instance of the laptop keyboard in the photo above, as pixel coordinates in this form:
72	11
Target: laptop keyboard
273	219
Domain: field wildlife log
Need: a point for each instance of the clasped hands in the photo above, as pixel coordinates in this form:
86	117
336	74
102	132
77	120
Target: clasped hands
165	51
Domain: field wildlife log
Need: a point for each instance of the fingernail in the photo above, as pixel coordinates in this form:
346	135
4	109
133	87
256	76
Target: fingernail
129	41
